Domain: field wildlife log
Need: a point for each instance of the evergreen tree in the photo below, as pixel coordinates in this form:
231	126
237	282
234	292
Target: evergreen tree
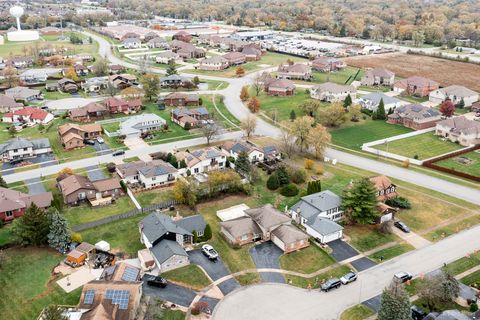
183	164
195	236
187	126
171	70
272	182
59	234
381	110
3	184
314	187
12	131
343	31
196	81
347	102
395	303
293	115
173	161
242	164
207	233
283	177
359	202
33	227
461	104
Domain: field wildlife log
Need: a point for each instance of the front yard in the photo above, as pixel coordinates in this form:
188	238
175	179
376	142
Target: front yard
367	237
316	281
358	312
468	163
391	252
190	276
421	146
307	260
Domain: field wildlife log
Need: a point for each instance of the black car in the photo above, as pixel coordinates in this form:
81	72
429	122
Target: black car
331	284
403	276
118	153
417	313
155	281
89	142
14	162
402	226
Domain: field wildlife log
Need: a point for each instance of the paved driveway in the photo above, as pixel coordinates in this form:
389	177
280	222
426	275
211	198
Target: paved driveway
342	250
95	173
363	264
172	293
35	186
267	255
44	160
215	270
101	148
373	303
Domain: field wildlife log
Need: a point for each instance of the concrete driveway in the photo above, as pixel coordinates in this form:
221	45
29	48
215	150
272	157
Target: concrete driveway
35	186
215	269
267	255
342	250
95	173
172	293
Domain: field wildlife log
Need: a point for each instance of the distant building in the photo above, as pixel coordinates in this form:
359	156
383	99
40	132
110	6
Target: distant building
416	86
459	129
24	94
372	100
295	71
214	63
131	43
415	116
456	94
252	35
20	148
378	77
332	92
327	64
28	116
136	125
279	87
13	204
182	36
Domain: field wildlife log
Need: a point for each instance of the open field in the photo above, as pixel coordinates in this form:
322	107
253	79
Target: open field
447	72
421	146
472	167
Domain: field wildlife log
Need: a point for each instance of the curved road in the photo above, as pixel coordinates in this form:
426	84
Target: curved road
239	110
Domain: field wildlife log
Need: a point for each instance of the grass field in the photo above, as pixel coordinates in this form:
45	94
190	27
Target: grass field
358	312
367	237
355	135
472	168
147	198
472	279
422	146
315	282
190	276
391	252
19	186
349	74
6	235
27	277
463	264
307	260
455	227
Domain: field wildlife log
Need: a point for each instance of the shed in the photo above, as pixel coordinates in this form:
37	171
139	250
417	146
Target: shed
146	259
76	257
232	212
102	245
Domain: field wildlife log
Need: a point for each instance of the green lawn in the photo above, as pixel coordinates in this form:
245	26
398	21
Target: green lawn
248	279
421	146
445	231
26	277
111	127
190	276
172	315
307	260
358	312
6	235
132	159
354	136
391	252
315	282
147	198
19	186
472	279
367	237
215	84
472	167
345	76
222	116
463	264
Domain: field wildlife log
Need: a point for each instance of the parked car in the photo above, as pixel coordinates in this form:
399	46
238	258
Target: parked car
118	153
417	313
90	142
100	139
155	281
402	226
349	277
14	162
333	283
209	252
403	276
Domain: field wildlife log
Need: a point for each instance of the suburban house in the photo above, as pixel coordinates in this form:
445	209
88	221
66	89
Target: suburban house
456	94
385	188
378	77
235	58
295	71
157	43
23	94
182	36
76	189
186	50
80	70
372	100
149	36
166	238
331	92
203	160
279	87
123	80
73	135
28	116
214	63
19	62
67	85
8	104
131	43
459	129
416	86
179	99
90	112
415	116
113	300
252	53
115	69
194	117
20	148
327	64
254	152
117	105
152	174
174	80
167	56
263	224
95	84
33	76
13	204
135	126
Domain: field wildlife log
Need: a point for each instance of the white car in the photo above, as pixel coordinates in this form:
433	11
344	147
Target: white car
209	252
100	139
349	277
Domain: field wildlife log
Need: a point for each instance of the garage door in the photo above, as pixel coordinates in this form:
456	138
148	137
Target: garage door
333	236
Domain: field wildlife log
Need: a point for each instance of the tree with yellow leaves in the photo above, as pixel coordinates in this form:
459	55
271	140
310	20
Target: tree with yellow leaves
319	138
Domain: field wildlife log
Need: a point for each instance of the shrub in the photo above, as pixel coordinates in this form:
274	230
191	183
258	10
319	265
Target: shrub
415	157
319	170
111	167
199	307
207	233
473	307
187	126
76	237
290	190
272	182
406	163
308	164
399	202
298	176
123	185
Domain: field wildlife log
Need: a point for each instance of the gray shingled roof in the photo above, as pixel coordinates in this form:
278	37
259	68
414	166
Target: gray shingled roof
324	226
192	223
313	204
155	225
20	143
167	249
156	168
375	97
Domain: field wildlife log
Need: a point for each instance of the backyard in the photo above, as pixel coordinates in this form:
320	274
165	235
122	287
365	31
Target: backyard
468	163
423	146
345	76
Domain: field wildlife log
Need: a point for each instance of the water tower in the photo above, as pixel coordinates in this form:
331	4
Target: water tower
21	35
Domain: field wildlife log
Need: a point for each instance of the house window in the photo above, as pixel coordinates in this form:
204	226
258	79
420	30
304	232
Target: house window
200	233
195	170
81	195
25	149
9	214
154	178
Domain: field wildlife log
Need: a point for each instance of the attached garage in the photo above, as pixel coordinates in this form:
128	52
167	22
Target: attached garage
324	230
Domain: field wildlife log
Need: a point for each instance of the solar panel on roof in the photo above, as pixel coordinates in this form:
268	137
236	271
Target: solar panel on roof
110	270
89	295
119	297
130	274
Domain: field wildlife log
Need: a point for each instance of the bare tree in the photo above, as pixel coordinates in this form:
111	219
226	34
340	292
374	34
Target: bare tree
287	139
209	131
248	125
257	84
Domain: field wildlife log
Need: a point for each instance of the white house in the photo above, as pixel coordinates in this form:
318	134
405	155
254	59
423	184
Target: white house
317	213
255	153
455	93
152	174
372	100
131	43
203	160
166	57
215	63
29	116
331	92
34	76
20	148
136	125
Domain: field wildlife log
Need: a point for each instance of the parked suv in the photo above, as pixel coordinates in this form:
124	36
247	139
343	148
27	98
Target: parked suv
349	277
209	252
403	276
118	153
331	284
402	226
155	281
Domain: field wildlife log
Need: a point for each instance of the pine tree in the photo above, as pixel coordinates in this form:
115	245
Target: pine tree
347	102
3	184
12	131
314	187
293	115
59	234
33	227
282	174
381	110
171	68
395	303
195	236
242	164
207	233
359	201
461	104
183	164
272	182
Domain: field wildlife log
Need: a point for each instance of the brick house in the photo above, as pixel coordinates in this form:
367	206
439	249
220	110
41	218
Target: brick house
182	36
214	63
76	189
279	87
385	188
295	71
73	135
13	204
416	86
179	99
331	92
90	112
251	53
378	77
182	116
456	94
117	105
234	58
415	116
327	64
186	50
459	129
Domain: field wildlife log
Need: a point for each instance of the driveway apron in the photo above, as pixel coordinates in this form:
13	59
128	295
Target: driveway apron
267	255
35	186
172	292
342	250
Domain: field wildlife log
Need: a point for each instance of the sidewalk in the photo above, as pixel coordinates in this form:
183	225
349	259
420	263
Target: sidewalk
412	238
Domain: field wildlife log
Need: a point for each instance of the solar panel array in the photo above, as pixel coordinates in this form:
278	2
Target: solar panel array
119	297
89	295
130	274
